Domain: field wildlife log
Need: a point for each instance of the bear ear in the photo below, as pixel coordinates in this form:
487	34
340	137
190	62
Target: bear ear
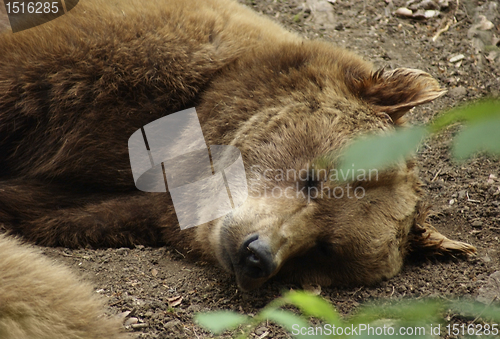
429	241
396	92
425	239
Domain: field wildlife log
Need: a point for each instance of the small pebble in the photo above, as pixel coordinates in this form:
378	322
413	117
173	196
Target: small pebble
485	24
462	194
491	179
477	223
131	321
457	57
431	13
404	12
139	326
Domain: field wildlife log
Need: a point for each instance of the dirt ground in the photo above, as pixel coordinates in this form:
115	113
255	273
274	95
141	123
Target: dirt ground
157	290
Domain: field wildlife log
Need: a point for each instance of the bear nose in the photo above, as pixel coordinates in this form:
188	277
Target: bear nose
256	258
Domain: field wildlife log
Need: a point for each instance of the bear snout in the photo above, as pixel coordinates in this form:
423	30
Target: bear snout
251	260
255	258
245	251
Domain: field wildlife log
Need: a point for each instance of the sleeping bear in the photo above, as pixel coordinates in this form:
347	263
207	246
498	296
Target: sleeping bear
73	91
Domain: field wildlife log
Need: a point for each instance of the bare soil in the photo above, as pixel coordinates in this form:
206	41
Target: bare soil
157	290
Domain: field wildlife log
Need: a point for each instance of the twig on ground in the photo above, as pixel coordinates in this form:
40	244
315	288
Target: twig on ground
436	175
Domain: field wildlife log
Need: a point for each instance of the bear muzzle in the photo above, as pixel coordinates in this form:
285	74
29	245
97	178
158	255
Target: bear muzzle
253	263
255	258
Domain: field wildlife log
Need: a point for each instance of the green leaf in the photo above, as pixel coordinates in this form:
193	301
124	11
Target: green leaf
474	112
290	321
220	321
314	306
483	136
380	151
408	311
475	310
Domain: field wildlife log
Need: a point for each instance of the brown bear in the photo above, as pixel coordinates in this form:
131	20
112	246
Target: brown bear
42	300
74	90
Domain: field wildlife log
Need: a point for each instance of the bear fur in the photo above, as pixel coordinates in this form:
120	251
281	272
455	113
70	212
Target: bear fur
43	300
73	91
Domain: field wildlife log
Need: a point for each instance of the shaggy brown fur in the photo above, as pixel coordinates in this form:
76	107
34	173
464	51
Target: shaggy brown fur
42	300
72	91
